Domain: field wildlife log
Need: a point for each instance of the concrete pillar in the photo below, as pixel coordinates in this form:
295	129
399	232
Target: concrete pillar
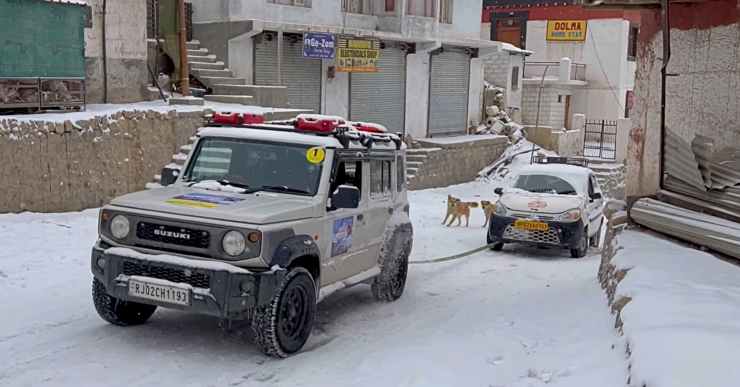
417	94
475	96
564	70
578	122
624	125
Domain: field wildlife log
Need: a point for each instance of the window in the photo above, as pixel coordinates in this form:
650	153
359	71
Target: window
254	165
632	44
445	11
296	3
390	5
420	7
515	78
544	184
357	6
348	172
380	177
400	174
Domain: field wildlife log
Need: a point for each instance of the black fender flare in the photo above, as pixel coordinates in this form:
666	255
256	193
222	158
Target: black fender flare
292	248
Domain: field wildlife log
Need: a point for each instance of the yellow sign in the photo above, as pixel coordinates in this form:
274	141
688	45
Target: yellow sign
315	155
567	30
191	203
357	55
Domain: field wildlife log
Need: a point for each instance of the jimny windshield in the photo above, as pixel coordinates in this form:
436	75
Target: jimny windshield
255	165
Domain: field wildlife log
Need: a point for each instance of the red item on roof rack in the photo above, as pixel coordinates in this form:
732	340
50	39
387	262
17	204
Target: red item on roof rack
318	123
227	118
369	127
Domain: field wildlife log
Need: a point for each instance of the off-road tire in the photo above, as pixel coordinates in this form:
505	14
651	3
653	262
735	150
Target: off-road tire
277	330
582	249
119	312
394	265
494	246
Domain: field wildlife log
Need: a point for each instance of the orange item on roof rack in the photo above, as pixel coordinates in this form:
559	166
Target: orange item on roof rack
369	127
318	123
227	118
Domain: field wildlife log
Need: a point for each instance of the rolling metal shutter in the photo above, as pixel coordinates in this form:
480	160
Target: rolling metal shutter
301	75
448	92
380	97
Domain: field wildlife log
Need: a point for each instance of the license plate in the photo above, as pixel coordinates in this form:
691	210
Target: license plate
161	293
531	225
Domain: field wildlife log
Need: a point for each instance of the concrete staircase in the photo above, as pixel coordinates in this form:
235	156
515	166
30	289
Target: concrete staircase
415	159
214	74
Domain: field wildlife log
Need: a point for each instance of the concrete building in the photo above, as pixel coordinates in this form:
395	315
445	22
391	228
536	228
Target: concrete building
430	75
116	51
598	76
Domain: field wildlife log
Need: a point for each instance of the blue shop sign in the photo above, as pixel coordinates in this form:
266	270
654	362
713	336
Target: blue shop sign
318	45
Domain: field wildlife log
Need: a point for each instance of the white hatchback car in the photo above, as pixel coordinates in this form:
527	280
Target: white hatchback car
549	205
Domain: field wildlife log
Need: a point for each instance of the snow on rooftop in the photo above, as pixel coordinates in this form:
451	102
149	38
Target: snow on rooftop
512	48
93	110
77	2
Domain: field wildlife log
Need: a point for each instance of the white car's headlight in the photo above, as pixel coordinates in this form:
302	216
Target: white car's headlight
234	243
120	227
570	216
500	209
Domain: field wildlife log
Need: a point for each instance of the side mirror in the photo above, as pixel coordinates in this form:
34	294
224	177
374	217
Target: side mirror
596	196
346	196
168	176
498	191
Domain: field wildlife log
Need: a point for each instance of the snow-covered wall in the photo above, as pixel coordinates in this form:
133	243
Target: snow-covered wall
701	99
48	166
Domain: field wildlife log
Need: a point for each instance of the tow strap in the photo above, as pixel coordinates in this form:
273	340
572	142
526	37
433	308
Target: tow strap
453	257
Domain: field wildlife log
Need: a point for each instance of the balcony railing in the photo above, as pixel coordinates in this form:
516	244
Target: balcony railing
535	70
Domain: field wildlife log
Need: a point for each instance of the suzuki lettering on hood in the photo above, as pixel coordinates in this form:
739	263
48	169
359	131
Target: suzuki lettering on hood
171	234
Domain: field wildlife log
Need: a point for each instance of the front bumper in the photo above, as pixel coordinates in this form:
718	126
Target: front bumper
228	294
559	233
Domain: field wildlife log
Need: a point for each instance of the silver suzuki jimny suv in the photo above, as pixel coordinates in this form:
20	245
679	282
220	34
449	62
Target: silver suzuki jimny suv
262	222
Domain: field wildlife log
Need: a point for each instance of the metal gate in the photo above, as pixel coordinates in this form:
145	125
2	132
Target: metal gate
448	92
600	139
301	75
379	97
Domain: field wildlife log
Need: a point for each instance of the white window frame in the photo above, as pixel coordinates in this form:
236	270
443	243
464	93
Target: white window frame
293	3
445	11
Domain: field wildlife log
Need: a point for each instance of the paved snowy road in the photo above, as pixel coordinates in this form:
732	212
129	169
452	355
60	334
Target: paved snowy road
518	318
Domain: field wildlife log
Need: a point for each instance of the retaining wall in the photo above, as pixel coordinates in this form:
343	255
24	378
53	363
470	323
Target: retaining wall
457	163
65	166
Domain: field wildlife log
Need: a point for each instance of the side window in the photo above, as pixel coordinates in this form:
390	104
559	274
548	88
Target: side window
591	187
349	172
400	174
380	177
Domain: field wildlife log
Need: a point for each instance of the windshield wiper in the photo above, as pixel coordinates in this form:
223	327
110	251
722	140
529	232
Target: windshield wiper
232	183
284	188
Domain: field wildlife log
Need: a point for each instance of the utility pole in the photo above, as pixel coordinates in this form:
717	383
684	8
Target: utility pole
183	37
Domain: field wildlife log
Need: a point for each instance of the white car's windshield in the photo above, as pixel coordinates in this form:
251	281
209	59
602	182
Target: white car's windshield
254	166
544	184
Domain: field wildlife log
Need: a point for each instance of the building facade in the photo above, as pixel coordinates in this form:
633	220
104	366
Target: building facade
600	48
429	76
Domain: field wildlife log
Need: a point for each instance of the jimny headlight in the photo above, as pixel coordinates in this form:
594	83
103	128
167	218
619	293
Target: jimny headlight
573	215
234	243
120	227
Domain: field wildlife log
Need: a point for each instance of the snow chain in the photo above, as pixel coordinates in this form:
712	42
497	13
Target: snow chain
453	257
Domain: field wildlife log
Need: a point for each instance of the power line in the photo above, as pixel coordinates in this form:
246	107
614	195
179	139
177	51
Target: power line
601	66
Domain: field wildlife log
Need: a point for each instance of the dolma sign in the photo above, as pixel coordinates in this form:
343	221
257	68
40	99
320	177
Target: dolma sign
567	30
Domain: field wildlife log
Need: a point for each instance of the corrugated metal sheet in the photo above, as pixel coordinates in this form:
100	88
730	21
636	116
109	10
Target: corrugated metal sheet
680	161
720	167
705	230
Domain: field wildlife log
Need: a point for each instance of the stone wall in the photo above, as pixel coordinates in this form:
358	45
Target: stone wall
126	51
456	163
66	166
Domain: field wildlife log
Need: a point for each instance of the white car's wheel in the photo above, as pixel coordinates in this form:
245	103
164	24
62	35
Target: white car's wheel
582	249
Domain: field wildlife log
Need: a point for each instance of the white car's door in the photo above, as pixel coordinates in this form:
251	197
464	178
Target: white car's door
595	206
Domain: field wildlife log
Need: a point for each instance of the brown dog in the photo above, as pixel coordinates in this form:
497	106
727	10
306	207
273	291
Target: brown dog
456	210
488	209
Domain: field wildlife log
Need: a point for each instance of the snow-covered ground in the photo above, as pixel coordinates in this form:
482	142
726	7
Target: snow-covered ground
521	317
682	321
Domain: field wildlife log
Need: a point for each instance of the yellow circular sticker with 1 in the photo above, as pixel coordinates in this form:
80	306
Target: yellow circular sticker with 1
315	155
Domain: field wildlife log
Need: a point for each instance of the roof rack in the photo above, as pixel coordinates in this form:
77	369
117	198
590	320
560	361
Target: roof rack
345	132
569	160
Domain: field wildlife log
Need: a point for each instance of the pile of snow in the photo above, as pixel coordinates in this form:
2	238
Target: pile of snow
682	322
515	157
